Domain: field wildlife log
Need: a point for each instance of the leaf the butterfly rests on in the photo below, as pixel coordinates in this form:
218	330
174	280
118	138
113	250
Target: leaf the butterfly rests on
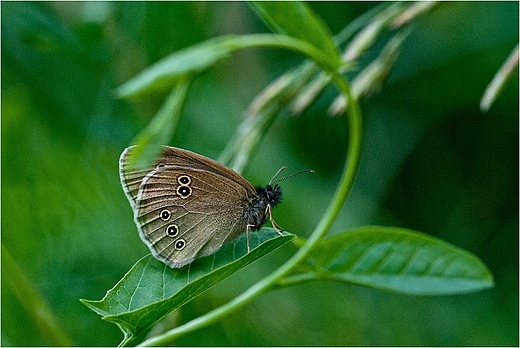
150	290
187	206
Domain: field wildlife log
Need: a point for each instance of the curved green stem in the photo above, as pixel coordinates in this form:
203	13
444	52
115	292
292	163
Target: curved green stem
329	63
345	184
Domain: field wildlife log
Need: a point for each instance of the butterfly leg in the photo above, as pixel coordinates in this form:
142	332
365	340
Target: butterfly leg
275	225
248	227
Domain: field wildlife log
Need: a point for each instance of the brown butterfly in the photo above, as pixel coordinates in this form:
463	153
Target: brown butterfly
188	206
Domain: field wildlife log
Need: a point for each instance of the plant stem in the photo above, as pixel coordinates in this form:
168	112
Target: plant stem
328	63
345	184
36	309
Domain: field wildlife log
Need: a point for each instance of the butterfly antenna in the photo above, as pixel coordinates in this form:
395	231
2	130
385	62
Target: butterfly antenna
278	172
293	174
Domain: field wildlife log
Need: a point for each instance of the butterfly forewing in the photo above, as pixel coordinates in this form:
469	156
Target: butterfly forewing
186	205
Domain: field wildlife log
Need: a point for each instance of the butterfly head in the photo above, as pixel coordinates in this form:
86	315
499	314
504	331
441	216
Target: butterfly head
270	195
265	199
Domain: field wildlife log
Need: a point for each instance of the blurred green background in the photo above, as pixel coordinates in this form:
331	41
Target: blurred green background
431	162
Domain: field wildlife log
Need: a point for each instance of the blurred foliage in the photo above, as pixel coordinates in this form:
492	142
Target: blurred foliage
432	161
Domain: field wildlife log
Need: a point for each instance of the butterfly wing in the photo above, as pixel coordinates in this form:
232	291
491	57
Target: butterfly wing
131	179
187	206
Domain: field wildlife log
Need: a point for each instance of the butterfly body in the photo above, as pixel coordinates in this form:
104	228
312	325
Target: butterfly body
188	206
254	215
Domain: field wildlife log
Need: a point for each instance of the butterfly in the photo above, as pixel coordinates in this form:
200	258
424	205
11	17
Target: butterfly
187	205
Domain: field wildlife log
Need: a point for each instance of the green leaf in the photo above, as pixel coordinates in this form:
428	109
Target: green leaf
150	290
296	19
167	72
182	65
160	129
402	260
